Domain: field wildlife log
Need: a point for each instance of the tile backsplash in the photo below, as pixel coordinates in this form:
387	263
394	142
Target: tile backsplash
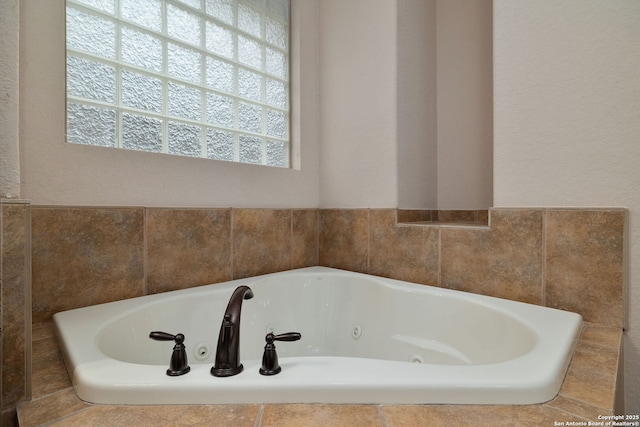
15	312
572	259
86	256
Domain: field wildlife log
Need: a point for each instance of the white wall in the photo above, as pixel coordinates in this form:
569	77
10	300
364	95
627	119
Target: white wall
57	173
417	102
9	157
406	106
358	108
465	104
567	119
376	123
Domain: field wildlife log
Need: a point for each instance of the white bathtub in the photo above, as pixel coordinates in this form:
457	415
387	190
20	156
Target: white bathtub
365	339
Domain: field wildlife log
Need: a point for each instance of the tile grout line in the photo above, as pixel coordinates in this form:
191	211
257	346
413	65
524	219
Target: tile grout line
145	249
369	241
259	416
381	416
543	278
317	260
231	254
439	257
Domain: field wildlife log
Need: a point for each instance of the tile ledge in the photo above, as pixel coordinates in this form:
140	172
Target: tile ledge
445	224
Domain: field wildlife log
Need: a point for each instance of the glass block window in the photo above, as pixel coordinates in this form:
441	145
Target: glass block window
198	78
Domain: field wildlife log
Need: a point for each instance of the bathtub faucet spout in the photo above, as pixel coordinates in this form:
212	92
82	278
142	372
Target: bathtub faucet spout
228	351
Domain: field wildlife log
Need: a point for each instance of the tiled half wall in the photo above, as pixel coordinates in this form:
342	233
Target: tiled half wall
86	256
571	259
15	311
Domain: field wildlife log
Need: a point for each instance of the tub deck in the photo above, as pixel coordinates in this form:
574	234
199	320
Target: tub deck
589	390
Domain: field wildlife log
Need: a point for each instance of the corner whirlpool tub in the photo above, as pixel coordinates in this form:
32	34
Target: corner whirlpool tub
365	339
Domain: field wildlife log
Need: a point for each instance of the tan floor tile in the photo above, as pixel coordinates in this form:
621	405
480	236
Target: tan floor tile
470	415
49	408
42	330
602	335
578	408
166	415
321	416
48	371
592	375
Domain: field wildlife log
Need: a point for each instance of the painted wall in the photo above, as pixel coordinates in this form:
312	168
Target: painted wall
417	167
358	109
57	173
418	89
465	104
567	120
373	66
9	157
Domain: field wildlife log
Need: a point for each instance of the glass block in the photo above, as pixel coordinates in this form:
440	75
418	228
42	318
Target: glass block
222	10
91	125
250	117
141	133
277	154
220	75
146	13
250	52
277	94
279	8
184	139
276	63
183	25
103	5
220	145
91	80
141	91
219	40
250	149
141	49
277	124
249	20
220	110
91	33
193	3
276	33
184	101
184	63
249	85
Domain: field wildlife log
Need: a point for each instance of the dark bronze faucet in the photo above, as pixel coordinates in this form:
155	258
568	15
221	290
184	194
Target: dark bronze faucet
228	351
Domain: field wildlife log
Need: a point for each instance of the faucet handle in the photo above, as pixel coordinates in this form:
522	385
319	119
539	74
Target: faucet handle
270	365
287	336
178	364
163	336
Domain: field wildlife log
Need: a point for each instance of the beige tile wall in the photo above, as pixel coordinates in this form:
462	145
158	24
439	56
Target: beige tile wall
15	338
86	256
571	259
565	258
